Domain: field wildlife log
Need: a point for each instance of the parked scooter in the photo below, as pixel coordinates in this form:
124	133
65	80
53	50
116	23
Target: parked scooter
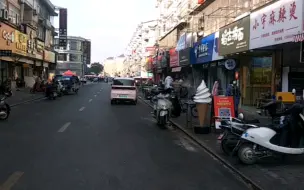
162	109
283	139
5	109
233	128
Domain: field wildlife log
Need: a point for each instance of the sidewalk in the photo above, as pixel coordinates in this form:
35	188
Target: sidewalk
268	174
22	96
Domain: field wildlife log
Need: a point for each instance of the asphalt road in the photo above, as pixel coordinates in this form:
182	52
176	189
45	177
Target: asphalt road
81	142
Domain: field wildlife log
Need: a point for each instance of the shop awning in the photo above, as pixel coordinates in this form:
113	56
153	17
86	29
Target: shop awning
176	69
69	73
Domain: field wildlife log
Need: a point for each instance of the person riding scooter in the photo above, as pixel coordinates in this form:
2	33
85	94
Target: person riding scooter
50	87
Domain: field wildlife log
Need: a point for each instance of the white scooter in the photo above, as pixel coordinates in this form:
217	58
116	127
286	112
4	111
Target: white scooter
260	142
162	109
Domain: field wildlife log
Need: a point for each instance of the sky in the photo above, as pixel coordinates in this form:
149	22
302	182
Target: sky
109	24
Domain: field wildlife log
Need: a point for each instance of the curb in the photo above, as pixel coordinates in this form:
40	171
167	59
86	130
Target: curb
27	101
249	182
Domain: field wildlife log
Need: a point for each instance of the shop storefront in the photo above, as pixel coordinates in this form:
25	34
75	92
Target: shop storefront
49	59
38	68
156	69
210	66
281	70
17	67
6	43
186	57
234	45
174	63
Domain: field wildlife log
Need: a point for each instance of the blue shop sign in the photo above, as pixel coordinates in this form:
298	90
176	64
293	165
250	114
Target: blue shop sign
204	49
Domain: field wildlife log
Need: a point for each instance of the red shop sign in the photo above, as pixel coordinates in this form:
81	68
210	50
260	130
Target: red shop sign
173	58
223	106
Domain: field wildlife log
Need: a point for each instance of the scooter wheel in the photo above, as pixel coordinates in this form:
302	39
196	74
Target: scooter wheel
6	116
246	154
225	147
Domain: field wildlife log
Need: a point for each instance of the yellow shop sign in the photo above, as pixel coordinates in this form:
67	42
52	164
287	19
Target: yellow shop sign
21	43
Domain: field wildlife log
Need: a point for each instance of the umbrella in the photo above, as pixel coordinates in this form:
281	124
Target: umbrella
69	73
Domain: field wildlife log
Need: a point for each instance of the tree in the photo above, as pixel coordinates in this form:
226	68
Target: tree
96	68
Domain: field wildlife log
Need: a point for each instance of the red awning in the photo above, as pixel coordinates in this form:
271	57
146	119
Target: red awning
69	73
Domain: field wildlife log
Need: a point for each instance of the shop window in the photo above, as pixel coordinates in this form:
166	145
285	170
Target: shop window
62	57
75	57
41	33
14	16
258	79
75	45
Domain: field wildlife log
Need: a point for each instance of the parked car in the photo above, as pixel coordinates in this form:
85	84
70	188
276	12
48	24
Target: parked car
123	89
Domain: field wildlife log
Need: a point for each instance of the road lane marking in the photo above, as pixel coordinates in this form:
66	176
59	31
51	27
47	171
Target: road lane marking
64	127
90	100
11	181
82	108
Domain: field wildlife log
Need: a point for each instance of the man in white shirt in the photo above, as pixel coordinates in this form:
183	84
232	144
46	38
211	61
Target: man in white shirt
168	82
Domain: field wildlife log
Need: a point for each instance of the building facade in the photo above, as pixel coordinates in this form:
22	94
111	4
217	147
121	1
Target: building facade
75	56
27	34
140	49
258	43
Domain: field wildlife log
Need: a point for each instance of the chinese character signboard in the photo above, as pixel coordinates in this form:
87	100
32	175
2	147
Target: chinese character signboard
206	50
203	49
234	38
63	27
49	56
276	23
184	57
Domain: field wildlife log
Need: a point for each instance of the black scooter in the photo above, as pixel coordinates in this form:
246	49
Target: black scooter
51	92
5	109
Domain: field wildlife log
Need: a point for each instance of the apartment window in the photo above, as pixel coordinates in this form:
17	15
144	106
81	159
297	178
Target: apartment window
73	45
13	15
3	4
76	57
62	57
41	33
56	41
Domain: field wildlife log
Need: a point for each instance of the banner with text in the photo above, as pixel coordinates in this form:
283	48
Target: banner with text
276	23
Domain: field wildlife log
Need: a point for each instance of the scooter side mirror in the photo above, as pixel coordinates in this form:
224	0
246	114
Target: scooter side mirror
241	116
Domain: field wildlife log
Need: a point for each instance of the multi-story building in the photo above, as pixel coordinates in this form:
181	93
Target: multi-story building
109	67
28	36
141	46
75	56
245	40
115	66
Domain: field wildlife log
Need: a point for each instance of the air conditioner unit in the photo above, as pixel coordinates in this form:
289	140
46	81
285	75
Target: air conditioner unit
36	11
4	14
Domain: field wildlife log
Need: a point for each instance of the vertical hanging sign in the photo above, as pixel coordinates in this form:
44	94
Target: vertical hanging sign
63	32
